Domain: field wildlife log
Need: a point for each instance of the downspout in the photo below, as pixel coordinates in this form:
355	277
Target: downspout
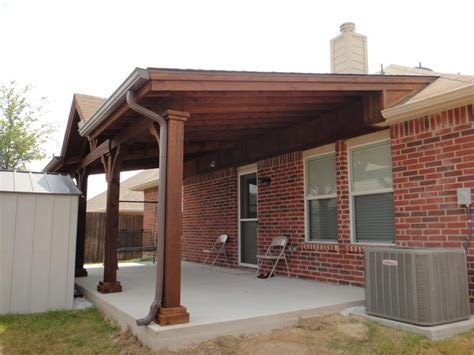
156	304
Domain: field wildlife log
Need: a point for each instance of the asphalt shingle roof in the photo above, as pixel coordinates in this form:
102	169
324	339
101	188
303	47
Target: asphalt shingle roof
87	105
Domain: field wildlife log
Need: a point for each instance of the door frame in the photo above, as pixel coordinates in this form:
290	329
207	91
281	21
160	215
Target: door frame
245	170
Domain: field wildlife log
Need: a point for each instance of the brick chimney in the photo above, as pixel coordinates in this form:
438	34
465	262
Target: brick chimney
349	51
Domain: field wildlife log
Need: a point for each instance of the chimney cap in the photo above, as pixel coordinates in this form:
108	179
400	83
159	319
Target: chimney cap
348	27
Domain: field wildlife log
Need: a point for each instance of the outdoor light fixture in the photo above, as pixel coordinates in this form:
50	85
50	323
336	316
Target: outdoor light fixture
212	164
264	181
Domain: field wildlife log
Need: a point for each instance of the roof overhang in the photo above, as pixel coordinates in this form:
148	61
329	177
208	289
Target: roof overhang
172	80
53	164
236	117
135	80
145	186
442	102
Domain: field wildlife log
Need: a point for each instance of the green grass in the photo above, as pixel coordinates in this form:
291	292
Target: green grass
58	332
88	332
384	341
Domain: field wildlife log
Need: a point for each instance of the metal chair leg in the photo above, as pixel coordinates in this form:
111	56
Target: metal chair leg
226	259
273	269
259	265
287	268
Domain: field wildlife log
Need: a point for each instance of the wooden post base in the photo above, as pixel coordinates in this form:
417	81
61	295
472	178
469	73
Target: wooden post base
80	273
109	287
173	315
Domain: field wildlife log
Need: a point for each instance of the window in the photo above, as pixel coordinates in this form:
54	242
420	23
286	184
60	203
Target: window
320	198
372	193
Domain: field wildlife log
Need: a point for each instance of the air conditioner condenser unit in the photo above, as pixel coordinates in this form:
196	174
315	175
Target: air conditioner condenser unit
424	286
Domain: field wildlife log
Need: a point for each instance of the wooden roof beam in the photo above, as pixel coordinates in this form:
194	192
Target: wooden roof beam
198	109
377	101
343	123
125	135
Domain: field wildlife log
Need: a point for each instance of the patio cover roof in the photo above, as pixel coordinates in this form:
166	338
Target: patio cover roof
215	120
235	117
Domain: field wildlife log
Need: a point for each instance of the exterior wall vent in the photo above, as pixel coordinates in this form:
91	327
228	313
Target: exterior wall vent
419	286
349	51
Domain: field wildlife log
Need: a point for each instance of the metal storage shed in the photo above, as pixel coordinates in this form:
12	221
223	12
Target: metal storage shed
38	220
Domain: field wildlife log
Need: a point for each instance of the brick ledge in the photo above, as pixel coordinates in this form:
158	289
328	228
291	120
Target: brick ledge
330	247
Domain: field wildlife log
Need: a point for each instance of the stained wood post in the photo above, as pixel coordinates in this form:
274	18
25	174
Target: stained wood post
112	166
81	179
172	312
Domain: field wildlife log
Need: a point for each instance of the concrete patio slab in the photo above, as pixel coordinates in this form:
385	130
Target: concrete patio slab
220	301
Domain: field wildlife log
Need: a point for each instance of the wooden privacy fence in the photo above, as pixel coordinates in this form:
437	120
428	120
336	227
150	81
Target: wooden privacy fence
95	234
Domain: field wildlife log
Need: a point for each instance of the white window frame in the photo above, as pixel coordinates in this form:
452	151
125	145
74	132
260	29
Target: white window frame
363	193
307	197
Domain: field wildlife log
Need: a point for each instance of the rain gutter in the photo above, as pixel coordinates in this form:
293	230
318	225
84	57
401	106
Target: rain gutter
156	303
134	81
434	104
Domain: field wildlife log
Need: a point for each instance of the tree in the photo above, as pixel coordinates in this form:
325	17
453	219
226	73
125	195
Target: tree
22	134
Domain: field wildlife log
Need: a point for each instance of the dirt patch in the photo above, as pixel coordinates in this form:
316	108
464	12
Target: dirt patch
330	334
353	330
129	344
275	347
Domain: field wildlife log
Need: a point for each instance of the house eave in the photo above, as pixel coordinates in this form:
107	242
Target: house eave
135	80
145	186
53	164
445	101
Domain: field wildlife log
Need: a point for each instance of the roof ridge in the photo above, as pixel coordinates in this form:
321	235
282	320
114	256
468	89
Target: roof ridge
449	76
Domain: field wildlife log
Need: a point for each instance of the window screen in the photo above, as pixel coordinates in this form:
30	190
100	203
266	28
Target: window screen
373	217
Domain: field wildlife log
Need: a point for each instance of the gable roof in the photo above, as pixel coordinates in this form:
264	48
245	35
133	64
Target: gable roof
87	105
98	203
82	109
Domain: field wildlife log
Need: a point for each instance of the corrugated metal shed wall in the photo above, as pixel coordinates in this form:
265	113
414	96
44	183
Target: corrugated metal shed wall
38	242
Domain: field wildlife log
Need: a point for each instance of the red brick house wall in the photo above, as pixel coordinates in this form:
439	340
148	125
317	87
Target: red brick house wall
431	157
149	216
210	209
281	211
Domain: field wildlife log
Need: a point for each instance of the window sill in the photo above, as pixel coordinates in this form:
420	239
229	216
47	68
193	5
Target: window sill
374	244
358	248
320	246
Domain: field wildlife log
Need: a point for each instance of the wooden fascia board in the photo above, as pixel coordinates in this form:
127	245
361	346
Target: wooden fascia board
221	76
141	93
192	85
67	133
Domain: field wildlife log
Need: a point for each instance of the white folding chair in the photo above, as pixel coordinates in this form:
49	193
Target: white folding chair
218	248
275	253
